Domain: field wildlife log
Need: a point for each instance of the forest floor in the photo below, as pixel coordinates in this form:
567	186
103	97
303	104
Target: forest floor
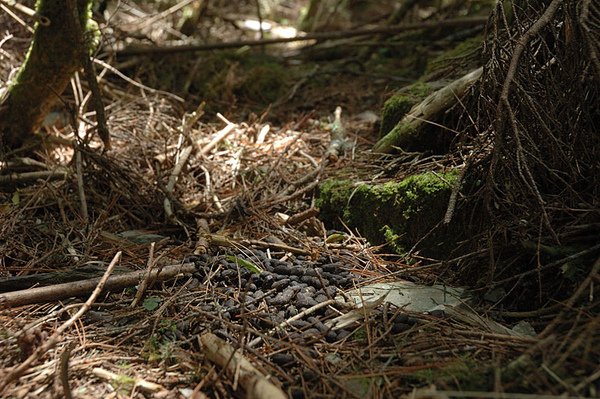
218	193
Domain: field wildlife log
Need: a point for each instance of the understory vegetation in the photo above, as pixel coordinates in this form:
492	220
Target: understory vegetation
307	199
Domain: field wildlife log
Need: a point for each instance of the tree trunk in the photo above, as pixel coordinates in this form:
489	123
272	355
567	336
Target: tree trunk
51	60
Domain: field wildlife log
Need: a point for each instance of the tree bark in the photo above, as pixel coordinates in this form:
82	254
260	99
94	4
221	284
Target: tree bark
51	60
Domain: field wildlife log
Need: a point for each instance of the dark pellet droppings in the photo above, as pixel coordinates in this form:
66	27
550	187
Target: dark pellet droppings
331	336
321	298
341	334
282	269
292	311
281	283
400	327
283	359
313	281
331	267
300	324
312	332
306	300
298	394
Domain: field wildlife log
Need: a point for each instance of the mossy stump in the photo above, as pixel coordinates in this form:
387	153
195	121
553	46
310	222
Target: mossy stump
398	214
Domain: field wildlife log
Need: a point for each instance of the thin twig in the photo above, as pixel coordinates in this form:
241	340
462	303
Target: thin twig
80	187
17	371
459	22
284	323
146	281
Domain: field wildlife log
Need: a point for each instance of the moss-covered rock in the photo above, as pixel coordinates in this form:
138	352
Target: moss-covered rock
398	214
400	103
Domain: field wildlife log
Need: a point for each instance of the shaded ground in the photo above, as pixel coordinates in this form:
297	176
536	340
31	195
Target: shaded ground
242	201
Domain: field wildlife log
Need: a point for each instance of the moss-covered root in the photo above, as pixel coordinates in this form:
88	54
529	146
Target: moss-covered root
406	134
51	60
398	214
397	106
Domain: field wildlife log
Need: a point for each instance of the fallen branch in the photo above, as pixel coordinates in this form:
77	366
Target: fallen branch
285	323
187	151
143	385
54	293
223	241
256	384
406	131
459	22
17	371
60	173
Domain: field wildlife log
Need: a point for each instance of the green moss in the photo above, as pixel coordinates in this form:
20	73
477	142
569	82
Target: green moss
465	374
400	103
123	382
263	84
361	387
396	213
457	61
248	78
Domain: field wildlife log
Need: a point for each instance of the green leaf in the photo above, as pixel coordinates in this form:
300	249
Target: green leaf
335	238
16	198
151	303
245	263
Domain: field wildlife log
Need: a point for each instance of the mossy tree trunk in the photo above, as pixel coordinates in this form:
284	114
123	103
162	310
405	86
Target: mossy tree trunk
54	55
